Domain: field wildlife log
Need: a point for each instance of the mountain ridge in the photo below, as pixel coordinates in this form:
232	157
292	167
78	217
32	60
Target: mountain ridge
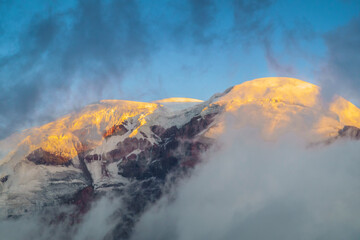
117	145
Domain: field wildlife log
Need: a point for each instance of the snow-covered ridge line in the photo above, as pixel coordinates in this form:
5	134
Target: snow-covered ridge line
113	144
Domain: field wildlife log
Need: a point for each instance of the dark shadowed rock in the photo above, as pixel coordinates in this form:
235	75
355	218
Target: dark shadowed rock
350	132
4	179
83	198
40	156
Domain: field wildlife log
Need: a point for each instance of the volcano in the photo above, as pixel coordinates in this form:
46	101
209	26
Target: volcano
132	150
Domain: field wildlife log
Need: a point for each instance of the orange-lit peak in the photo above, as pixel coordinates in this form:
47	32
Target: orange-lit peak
120	102
347	112
278	104
271	104
177	100
274	89
84	129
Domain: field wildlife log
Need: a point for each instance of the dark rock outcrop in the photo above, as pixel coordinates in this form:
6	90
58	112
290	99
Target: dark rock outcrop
4	179
350	132
42	157
176	146
115	130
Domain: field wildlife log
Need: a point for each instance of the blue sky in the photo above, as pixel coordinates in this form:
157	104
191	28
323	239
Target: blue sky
57	56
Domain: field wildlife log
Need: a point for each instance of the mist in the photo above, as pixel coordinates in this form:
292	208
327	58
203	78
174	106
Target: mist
95	224
244	188
255	189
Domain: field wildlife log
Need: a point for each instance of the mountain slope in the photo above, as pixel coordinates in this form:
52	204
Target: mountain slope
131	147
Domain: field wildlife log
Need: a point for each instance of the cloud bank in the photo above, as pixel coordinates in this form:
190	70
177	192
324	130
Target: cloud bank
252	189
245	188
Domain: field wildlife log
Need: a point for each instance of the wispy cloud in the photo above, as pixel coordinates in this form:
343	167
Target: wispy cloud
95	224
70	57
61	55
341	72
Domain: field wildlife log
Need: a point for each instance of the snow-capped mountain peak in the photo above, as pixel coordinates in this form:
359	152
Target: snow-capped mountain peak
115	144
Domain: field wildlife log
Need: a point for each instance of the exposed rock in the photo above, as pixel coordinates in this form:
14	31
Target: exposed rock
83	199
115	130
177	145
42	157
347	132
4	179
138	197
350	132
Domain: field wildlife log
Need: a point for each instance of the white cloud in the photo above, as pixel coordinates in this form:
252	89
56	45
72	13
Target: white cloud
246	188
251	189
95	224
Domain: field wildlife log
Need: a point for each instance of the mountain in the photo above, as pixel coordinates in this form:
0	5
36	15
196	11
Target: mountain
131	148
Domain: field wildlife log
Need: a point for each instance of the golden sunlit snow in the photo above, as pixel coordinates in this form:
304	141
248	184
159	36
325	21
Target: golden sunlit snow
278	104
177	100
273	105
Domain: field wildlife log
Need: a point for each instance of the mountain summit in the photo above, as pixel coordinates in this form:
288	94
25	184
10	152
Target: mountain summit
131	147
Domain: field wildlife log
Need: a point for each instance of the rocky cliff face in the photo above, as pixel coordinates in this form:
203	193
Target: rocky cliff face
350	132
132	150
